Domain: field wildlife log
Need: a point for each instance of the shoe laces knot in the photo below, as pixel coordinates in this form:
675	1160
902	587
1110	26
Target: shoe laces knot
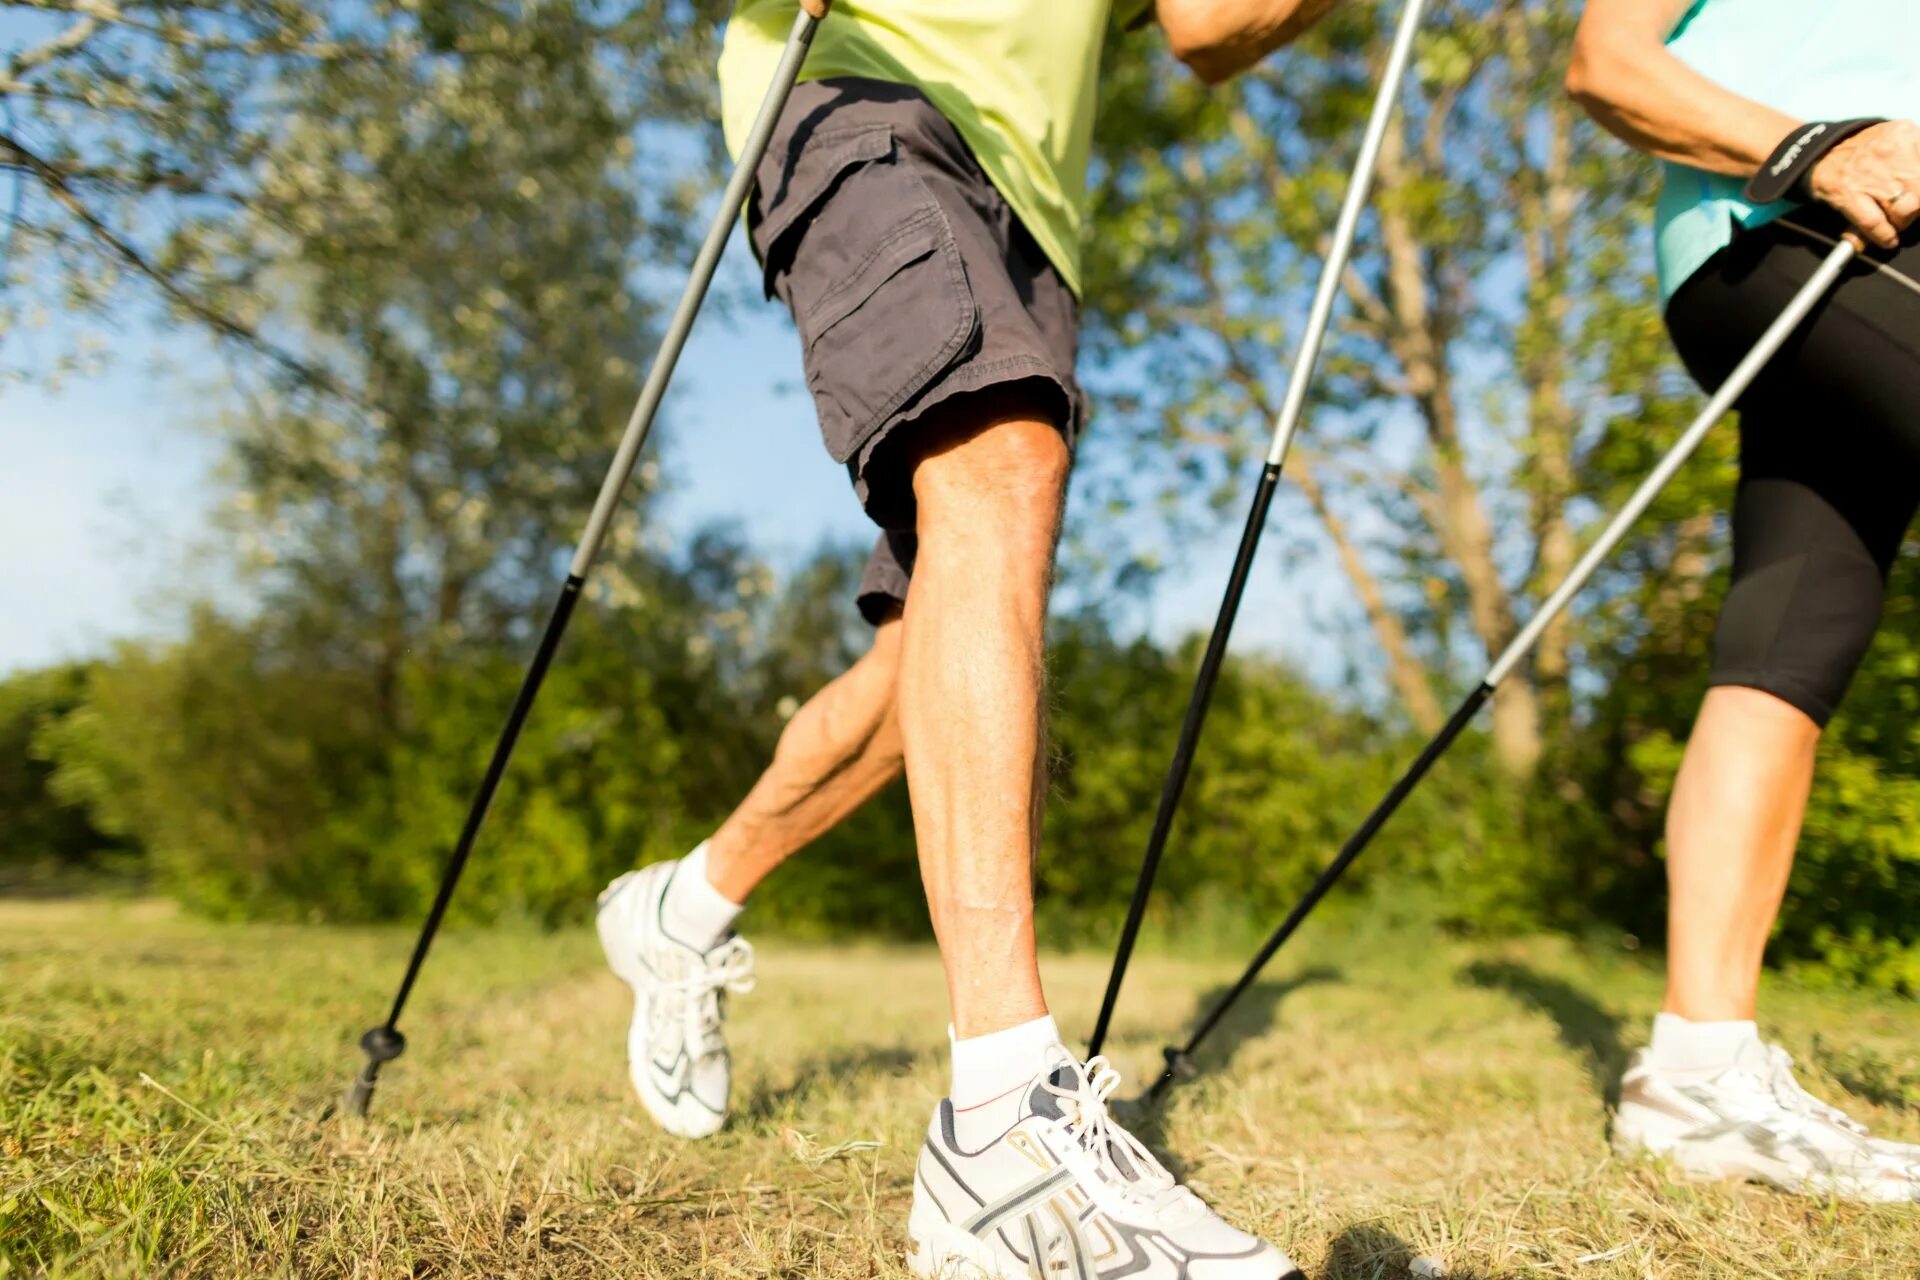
1792	1095
702	991
1123	1161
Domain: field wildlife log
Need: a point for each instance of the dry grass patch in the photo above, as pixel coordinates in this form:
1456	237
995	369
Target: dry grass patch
162	1083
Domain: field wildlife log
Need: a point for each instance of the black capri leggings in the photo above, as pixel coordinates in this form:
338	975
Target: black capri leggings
1829	451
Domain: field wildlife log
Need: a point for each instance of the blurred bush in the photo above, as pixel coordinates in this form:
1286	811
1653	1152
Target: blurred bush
252	786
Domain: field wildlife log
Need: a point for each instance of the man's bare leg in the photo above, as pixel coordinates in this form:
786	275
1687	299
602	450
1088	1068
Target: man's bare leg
970	702
837	752
1731	831
667	928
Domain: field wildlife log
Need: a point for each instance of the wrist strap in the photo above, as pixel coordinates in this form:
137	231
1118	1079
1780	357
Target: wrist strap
1786	171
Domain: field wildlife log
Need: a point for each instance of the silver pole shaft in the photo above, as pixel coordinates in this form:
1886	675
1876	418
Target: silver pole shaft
1344	230
1731	390
640	423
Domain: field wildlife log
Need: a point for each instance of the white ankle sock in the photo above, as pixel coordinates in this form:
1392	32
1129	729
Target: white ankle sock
695	912
990	1076
1698	1048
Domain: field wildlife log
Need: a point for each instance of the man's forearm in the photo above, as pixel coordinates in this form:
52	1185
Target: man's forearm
1220	38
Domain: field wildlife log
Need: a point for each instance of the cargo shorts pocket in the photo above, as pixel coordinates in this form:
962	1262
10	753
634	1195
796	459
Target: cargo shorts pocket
860	250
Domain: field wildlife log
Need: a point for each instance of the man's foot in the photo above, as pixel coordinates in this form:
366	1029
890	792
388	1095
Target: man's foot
676	1046
1754	1121
1067	1192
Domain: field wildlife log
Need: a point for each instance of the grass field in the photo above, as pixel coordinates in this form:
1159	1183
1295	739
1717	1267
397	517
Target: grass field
162	1083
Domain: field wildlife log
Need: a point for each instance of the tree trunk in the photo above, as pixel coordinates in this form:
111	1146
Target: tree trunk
1418	338
1408	677
1545	216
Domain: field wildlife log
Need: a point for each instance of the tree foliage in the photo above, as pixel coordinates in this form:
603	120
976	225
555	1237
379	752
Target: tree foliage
431	235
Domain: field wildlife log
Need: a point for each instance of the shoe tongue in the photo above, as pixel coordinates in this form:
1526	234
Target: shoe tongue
1043	1102
1756	1058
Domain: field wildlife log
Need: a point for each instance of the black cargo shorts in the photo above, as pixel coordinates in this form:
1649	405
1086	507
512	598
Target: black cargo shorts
911	281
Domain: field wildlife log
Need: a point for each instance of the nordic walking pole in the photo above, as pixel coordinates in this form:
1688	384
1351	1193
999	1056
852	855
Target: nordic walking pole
1179	1061
384	1043
1298	382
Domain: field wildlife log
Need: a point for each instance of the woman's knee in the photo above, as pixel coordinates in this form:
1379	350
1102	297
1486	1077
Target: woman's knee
1798	628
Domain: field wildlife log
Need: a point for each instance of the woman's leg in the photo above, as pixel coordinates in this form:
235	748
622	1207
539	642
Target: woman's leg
1731	831
1829	455
1815	533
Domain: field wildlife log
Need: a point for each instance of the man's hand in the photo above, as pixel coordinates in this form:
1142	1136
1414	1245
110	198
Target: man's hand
818	8
1874	179
1220	38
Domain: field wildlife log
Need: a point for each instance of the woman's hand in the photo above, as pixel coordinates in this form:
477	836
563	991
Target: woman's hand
1874	179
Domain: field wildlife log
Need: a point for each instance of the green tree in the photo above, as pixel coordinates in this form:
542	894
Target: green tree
149	137
460	234
137	132
43	834
1495	324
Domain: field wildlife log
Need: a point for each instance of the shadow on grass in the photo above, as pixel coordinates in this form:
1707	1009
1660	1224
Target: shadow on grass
1252	1016
1586	1026
829	1071
1367	1251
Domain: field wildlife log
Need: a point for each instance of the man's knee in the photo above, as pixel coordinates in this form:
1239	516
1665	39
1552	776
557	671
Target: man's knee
1014	465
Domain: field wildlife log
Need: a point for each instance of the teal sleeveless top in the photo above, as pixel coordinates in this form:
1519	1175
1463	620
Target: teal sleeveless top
1812	59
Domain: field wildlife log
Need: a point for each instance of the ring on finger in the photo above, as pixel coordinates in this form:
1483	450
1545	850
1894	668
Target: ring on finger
1898	196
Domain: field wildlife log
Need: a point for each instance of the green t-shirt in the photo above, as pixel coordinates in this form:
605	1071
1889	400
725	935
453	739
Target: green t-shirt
1812	59
1017	78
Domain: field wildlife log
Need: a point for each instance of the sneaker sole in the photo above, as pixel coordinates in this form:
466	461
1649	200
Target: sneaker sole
1785	1180
942	1251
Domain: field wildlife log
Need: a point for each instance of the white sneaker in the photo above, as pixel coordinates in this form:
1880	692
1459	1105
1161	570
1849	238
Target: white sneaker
1901	1154
1066	1192
676	1045
1754	1121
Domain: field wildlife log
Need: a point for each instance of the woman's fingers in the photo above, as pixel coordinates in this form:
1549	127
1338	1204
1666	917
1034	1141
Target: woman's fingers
1902	207
1874	180
1903	199
1865	212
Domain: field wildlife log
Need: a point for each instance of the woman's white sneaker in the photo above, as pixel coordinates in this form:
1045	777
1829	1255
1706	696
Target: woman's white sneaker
1754	1121
676	1045
1066	1192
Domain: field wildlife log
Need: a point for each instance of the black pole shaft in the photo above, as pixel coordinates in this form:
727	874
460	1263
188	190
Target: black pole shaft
1178	1063
1182	765
384	1042
1724	398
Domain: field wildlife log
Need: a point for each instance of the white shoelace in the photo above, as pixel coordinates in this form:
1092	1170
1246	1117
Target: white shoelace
1771	1096
728	967
1787	1087
1902	1158
1092	1127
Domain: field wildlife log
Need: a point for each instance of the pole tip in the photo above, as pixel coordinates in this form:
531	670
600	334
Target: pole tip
381	1044
359	1094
